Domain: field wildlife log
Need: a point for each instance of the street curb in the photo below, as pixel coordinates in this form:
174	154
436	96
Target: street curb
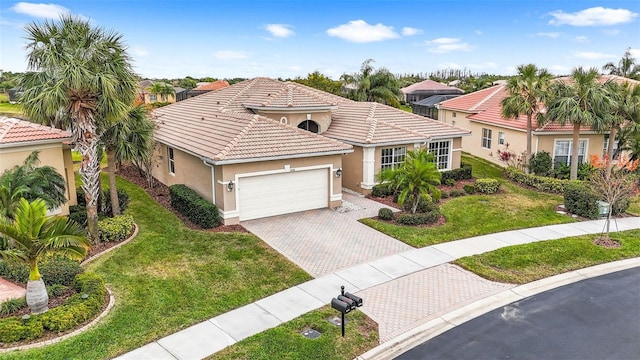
446	322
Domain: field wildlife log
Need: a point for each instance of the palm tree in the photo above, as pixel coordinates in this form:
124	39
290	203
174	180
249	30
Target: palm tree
415	179
31	182
626	67
580	101
526	97
82	78
625	112
162	89
31	234
130	139
373	85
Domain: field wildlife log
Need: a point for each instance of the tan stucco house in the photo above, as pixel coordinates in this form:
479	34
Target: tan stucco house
481	112
19	138
264	147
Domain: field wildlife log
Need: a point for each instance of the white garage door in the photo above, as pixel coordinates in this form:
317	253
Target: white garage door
269	195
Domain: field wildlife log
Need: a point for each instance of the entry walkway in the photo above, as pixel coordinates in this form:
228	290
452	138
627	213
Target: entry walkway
9	290
215	334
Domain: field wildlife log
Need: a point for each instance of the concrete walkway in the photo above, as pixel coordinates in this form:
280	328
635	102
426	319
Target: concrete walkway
215	334
9	290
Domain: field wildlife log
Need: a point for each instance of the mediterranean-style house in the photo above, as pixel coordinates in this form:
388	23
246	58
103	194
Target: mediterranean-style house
423	96
481	112
147	97
19	138
206	87
264	147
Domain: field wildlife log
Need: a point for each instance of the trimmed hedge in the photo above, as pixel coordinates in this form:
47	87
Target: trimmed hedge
487	186
55	270
469	189
424	205
542	183
418	218
194	207
115	229
381	190
104	203
457	192
77	309
385	214
462	173
579	200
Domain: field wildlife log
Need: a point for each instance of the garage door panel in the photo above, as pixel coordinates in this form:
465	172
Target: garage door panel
269	195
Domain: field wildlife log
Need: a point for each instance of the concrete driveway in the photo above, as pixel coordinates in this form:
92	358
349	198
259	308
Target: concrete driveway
323	241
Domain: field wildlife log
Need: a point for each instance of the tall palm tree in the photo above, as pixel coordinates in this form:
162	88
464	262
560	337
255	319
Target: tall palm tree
626	67
31	182
625	113
580	101
415	179
31	234
162	89
81	77
373	85
527	91
130	139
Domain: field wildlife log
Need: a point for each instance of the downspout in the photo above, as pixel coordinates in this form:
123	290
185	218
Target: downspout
213	182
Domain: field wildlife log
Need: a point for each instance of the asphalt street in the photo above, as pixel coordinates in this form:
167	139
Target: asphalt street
597	318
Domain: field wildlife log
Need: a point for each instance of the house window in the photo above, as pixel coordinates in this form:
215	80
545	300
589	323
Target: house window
442	152
606	146
310	126
153	97
500	138
172	167
392	157
486	138
562	152
454	114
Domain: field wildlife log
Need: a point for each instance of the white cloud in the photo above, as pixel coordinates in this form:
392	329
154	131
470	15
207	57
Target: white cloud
581	39
478	32
559	69
358	31
280	30
409	31
635	53
595	16
593	55
553	35
229	55
445	45
140	51
51	11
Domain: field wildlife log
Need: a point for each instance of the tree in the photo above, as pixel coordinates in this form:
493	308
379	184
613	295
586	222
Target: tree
319	81
188	83
629	139
526	97
626	67
625	112
163	89
31	182
80	78
580	101
130	139
416	178
372	85
31	234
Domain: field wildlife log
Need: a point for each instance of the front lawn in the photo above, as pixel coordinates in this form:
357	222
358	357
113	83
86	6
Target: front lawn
521	264
473	215
169	278
634	207
8	109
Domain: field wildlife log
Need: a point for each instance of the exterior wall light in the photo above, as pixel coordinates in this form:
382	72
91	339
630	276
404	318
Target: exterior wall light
230	186
338	173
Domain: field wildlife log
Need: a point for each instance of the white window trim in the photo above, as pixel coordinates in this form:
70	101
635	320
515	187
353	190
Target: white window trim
584	156
393	156
489	139
449	155
171	160
501	137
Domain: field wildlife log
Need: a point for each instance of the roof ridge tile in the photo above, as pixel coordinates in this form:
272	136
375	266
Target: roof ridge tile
486	98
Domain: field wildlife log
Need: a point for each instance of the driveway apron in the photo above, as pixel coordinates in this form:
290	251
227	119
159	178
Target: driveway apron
323	241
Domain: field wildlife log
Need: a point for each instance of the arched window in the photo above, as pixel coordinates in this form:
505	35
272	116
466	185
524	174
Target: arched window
309	125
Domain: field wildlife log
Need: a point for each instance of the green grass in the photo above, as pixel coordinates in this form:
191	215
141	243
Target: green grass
169	278
634	207
473	215
521	264
8	109
406	108
286	342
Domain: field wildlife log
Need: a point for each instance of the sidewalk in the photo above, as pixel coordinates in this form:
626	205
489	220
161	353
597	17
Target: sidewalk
215	334
9	290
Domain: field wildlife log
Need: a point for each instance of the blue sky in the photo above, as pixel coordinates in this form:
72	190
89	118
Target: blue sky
287	38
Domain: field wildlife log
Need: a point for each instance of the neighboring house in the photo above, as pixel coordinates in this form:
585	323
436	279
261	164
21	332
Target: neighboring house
423	96
180	93
263	147
481	112
19	138
14	94
147	97
204	88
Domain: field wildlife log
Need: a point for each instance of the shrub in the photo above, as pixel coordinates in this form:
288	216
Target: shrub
9	306
426	204
194	207
450	182
469	189
54	270
418	218
457	192
580	200
462	173
620	207
115	229
444	194
540	163
381	190
78	213
56	290
542	183
487	186
104	203
385	214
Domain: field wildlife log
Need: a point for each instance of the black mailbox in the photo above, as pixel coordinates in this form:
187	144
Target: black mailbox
351	303
341	306
356	299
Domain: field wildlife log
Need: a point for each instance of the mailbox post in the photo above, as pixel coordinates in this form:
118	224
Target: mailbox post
345	302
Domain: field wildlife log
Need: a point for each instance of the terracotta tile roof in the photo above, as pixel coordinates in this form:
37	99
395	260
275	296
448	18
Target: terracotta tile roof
17	132
216	85
603	78
429	85
476	101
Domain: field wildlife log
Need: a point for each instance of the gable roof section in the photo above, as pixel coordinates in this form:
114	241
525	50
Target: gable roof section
431	86
476	101
20	132
216	85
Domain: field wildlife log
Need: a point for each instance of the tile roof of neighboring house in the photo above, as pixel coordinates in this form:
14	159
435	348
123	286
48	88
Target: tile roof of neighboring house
221	125
430	85
216	85
16	132
604	78
476	101
493	116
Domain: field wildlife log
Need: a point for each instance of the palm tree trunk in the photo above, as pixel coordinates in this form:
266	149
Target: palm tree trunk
527	156
609	161
113	190
87	143
574	151
37	297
